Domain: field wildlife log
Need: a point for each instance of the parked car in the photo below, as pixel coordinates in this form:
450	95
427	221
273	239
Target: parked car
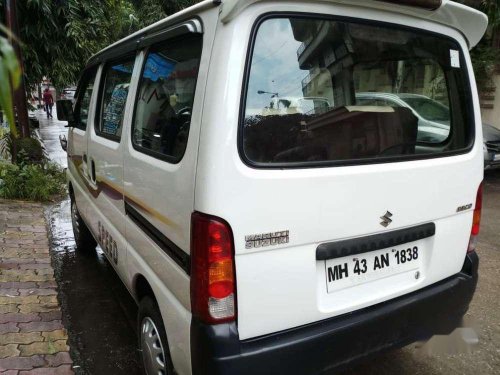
434	121
286	244
433	117
491	148
68	93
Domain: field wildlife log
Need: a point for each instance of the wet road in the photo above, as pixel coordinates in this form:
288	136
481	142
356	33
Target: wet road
97	309
100	314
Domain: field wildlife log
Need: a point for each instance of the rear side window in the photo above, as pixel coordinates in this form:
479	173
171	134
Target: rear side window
324	91
116	82
82	105
165	99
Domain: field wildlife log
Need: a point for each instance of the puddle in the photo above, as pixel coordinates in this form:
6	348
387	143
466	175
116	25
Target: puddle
97	309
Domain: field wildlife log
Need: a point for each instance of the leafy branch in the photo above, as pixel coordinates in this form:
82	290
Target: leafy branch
10	78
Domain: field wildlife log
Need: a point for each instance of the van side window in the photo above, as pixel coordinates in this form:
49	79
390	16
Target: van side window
84	95
116	78
165	98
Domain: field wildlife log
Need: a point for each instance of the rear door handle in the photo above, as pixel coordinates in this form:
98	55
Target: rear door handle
92	171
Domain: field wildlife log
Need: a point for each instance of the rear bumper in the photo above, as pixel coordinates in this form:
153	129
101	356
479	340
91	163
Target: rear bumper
321	347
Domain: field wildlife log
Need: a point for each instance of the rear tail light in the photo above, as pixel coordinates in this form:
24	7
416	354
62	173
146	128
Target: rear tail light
213	286
476	220
425	4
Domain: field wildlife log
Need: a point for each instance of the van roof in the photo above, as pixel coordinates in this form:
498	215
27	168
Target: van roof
470	22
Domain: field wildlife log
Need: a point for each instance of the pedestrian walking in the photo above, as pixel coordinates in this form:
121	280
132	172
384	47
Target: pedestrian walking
48	101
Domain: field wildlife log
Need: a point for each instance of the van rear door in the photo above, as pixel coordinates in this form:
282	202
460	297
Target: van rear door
343	206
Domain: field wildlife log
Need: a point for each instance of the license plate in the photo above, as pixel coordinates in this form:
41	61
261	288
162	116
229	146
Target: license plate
496	157
355	270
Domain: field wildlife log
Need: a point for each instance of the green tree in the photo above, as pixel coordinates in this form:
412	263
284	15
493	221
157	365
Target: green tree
171	7
486	54
10	76
59	36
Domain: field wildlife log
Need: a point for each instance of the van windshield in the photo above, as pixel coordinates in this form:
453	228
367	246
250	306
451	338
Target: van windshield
322	91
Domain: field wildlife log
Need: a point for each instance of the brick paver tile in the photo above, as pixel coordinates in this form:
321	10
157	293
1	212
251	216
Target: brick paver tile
9	292
47	284
37	308
47	299
33	339
18	285
37	292
10	350
9	278
34	266
20	338
20	318
9	266
19	300
42	260
21	363
29	255
59	334
30	275
4	309
61	370
9	327
45	347
17	241
62	358
42	250
48	316
40	326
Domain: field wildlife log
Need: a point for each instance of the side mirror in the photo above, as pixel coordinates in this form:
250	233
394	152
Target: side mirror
65	111
64	142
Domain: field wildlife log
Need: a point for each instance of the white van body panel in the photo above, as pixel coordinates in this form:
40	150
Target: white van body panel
77	147
284	286
77	151
107	188
163	193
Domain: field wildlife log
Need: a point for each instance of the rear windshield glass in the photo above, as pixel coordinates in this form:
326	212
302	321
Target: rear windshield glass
322	91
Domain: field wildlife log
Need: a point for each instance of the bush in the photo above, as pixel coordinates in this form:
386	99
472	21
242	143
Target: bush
36	182
29	150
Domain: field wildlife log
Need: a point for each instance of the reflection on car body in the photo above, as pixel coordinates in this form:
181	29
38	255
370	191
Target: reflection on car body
433	117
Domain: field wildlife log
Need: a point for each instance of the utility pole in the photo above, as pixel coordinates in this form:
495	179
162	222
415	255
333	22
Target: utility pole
20	103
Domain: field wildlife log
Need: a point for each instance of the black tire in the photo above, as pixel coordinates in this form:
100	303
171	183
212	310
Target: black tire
84	240
150	313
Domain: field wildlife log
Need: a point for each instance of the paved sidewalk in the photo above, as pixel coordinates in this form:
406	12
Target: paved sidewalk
32	337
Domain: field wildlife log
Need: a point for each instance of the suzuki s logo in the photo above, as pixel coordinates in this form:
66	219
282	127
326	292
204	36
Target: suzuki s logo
386	219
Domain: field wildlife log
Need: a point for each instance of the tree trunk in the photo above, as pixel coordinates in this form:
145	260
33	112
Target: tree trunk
19	95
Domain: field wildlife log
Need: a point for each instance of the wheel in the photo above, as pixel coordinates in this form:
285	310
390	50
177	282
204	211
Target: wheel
84	240
153	339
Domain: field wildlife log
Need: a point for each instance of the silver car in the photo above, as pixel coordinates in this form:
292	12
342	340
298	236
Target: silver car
434	121
491	147
433	117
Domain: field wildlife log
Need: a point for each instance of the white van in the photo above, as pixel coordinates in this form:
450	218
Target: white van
282	242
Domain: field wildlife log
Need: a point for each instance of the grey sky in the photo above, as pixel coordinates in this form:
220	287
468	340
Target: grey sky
274	65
